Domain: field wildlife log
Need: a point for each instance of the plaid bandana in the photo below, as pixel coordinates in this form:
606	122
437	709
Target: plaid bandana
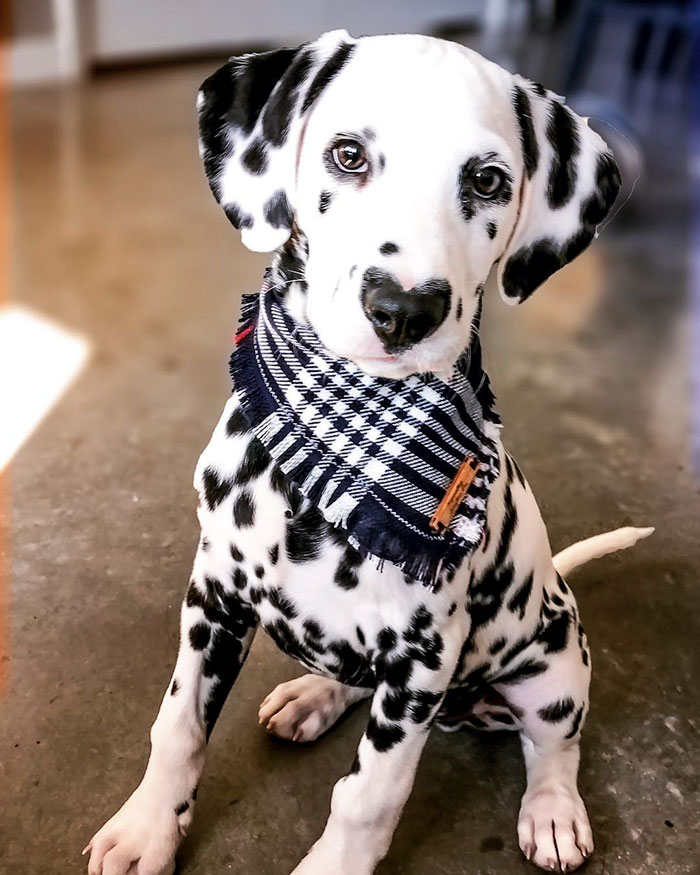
375	455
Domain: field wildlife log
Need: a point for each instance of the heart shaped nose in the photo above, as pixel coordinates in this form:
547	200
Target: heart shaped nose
401	318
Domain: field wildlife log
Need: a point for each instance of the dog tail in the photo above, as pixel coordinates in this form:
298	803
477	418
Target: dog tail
572	557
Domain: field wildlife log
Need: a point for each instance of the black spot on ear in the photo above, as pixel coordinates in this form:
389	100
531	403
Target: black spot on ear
237	217
199	636
277	114
388	248
595	208
492	230
529	267
528	138
254	159
327	74
277	211
563	135
244	510
324	201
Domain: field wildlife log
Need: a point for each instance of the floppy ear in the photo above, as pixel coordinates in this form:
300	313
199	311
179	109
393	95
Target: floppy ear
570	181
251	118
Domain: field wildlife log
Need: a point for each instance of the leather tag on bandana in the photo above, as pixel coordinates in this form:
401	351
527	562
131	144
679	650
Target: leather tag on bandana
456	491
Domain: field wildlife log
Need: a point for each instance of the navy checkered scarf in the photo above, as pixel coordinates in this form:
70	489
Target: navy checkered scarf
374	455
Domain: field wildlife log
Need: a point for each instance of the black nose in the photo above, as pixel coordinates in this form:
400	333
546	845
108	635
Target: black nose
401	319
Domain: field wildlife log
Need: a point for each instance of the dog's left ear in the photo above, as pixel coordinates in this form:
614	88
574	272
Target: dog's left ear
252	113
570	181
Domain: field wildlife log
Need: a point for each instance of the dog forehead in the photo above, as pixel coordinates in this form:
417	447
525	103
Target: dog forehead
410	84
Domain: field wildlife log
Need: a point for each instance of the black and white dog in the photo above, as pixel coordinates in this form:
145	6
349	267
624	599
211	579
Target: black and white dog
417	159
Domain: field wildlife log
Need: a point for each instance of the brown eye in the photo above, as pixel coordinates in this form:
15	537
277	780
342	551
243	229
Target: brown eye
350	157
488	182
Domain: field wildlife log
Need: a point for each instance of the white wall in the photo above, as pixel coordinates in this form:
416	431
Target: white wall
133	28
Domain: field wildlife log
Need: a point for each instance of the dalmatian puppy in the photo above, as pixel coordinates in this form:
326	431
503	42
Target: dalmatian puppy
375	168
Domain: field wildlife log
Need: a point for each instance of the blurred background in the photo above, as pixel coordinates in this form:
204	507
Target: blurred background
120	282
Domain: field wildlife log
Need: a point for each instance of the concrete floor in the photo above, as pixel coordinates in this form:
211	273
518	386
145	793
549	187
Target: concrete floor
117	237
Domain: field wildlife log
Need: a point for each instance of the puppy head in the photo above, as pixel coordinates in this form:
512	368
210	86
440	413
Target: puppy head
409	166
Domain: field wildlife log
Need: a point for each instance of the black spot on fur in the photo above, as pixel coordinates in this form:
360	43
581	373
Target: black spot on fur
254	159
518	603
182	808
244	509
305	534
237	423
508	526
458	311
557	711
254	463
277	211
497	646
327	74
175	687
563	135
346	574
386	639
530	668
259	571
360	635
237	217
274	554
576	725
240	580
555	634
199	636
514	650
383	737
216	488
388	248
283	604
502	717
236	554
355	767
324	201
528	138
492	230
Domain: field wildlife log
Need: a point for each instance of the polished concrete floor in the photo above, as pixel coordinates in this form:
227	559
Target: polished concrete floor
116	237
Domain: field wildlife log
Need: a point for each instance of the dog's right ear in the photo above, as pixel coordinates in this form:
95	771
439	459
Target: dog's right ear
251	119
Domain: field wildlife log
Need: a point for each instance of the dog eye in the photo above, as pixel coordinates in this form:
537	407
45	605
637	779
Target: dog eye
488	182
350	157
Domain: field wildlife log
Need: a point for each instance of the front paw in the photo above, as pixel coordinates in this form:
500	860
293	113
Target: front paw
143	834
338	858
553	830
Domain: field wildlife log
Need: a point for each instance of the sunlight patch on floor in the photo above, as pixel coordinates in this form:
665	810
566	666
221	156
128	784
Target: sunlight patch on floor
39	360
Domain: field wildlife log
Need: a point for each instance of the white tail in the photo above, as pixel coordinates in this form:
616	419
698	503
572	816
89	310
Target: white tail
572	557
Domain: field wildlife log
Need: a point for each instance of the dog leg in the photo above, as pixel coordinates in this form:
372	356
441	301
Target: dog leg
304	708
367	804
548	690
216	632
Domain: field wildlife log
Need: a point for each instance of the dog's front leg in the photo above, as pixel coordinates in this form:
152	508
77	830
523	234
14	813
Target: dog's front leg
216	632
367	803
